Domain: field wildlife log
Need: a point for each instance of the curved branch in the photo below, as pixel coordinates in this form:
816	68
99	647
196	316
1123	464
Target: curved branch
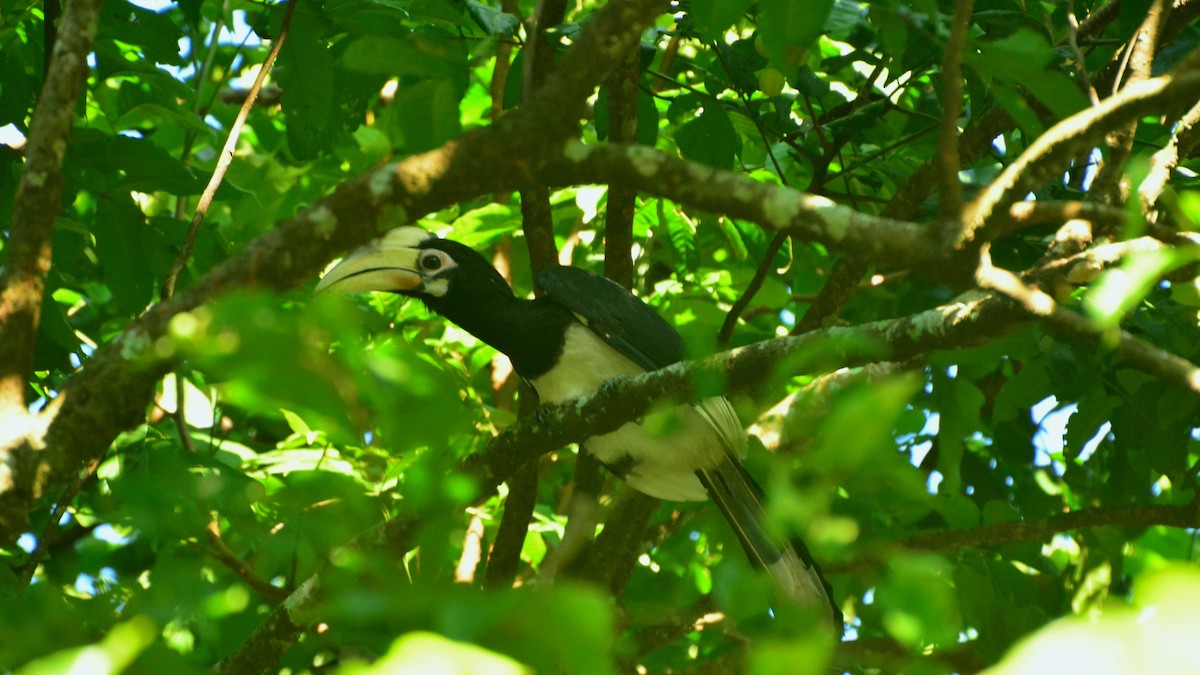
985	215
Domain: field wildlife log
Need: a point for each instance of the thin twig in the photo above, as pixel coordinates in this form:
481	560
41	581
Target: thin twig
472	552
760	275
725	334
505	556
1085	82
997	534
1110	185
220	551
1183	141
538	225
48	532
951	190
226	156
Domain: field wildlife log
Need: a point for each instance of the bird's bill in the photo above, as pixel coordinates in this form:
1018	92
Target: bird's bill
389	264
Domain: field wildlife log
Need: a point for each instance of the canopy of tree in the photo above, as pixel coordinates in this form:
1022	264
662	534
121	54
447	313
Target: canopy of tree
943	256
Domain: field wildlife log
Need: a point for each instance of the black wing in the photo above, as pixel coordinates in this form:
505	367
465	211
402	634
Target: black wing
622	320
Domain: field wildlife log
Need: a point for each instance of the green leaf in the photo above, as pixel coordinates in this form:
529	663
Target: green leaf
417	56
426	115
1023	59
1120	289
305	74
152	114
198	406
788	27
918	601
710	18
808	653
647	120
1154	635
709	139
120	244
111	655
493	21
418	653
122	163
1092	411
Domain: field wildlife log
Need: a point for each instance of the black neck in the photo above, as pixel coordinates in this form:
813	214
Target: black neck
529	332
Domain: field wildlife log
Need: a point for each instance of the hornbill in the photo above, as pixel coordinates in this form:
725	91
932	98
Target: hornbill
582	331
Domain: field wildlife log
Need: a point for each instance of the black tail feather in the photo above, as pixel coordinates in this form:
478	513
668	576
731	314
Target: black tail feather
790	565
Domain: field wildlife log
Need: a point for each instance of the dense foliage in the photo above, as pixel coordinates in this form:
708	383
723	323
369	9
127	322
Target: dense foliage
960	236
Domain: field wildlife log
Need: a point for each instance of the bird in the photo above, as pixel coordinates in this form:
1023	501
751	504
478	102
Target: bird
582	331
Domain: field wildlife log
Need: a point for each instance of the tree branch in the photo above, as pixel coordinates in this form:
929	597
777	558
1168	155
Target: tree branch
809	217
29	247
1145	356
971	319
997	534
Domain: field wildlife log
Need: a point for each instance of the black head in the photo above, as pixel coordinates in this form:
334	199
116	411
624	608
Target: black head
452	279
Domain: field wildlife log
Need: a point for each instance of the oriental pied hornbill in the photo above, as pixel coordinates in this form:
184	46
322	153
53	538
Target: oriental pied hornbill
584	330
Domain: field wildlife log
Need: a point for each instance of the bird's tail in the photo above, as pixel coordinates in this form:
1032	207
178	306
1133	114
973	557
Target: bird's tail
790	565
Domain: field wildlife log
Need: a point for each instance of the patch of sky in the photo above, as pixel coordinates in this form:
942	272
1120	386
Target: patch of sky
917	452
1048	439
952	371
1089	171
91	586
27	542
1052	425
237	34
935	480
109	534
787	317
11	136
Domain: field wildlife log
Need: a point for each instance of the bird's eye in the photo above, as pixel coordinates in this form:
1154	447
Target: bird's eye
431	262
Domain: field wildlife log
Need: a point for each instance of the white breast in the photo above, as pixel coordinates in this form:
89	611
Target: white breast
666	447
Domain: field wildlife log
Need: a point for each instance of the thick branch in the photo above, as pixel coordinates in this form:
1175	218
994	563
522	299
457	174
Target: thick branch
973	318
28	250
810	217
